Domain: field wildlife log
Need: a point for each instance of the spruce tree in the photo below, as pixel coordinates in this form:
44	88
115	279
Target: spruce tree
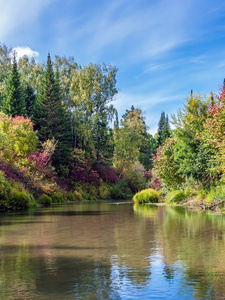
14	103
160	129
163	129
30	98
51	119
166	130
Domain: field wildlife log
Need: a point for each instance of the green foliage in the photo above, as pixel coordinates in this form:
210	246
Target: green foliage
93	88
21	199
129	138
166	167
216	194
5	187
71	197
146	196
17	138
175	196
146	149
58	197
104	191
163	130
51	119
14	103
135	177
45	200
116	192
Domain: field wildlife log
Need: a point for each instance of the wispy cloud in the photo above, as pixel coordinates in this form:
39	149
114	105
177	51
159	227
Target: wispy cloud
19	13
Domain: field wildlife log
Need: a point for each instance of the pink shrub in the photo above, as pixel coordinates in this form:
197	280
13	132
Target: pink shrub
107	173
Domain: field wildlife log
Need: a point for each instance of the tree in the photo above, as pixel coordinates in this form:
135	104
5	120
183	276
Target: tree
128	138
192	153
163	129
30	98
17	138
92	90
14	103
51	119
166	166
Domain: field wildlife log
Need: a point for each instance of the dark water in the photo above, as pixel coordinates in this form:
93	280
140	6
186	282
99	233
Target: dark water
112	251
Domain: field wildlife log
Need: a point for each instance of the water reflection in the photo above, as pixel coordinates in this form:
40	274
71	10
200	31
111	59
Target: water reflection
107	251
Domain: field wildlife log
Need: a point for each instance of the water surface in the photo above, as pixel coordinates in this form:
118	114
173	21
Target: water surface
112	251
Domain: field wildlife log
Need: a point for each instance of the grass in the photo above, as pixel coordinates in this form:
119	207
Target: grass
146	196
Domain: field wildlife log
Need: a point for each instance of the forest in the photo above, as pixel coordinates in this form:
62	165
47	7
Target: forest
61	139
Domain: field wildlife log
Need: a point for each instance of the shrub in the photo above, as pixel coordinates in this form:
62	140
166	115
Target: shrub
21	199
71	196
146	196
175	196
45	199
135	177
77	195
4	187
216	194
155	183
107	173
58	198
104	191
116	192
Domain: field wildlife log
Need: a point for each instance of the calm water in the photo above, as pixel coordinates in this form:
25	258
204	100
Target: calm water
112	251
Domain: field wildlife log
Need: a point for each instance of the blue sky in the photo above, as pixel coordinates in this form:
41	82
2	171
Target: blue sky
162	48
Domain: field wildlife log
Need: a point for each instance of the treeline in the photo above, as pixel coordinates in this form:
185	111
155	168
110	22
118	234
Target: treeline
191	163
60	135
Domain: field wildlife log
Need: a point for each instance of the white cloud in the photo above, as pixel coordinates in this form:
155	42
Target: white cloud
21	51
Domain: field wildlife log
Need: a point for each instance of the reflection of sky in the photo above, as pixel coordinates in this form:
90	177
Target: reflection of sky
158	285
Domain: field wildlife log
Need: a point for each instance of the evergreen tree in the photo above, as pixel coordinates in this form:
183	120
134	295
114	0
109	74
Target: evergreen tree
163	129
51	119
166	130
160	129
14	103
30	98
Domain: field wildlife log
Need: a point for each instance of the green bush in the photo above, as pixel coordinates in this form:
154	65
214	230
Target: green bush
5	187
215	194
135	177
116	192
58	198
104	191
71	197
77	195
45	199
175	196
22	199
146	196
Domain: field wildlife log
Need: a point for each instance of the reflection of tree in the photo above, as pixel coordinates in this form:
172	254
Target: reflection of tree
101	250
135	247
196	241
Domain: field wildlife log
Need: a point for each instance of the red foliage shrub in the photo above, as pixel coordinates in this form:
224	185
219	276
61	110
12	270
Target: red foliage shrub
155	183
9	171
107	173
82	171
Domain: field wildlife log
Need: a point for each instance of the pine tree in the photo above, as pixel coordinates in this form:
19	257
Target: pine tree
51	119
14	103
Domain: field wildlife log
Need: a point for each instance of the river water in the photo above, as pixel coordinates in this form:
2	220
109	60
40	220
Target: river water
112	251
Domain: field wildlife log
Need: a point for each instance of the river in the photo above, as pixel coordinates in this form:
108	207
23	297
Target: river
109	250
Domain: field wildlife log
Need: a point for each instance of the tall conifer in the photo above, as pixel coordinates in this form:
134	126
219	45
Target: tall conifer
14	103
50	117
